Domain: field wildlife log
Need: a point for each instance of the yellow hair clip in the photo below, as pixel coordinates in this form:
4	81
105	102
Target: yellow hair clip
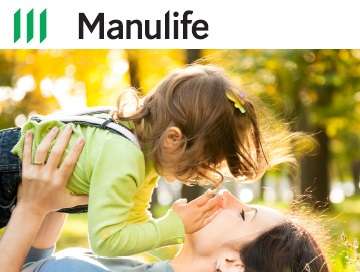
238	102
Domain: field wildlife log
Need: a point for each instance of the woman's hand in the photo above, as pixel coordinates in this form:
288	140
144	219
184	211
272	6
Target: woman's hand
43	184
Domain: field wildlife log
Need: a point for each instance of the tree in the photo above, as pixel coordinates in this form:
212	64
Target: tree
133	69
312	89
355	167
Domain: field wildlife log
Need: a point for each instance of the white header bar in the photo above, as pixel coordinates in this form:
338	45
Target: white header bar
230	24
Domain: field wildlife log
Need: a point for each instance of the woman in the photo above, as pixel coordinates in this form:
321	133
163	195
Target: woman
240	237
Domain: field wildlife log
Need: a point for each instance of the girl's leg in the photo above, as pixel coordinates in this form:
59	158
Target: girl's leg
10	173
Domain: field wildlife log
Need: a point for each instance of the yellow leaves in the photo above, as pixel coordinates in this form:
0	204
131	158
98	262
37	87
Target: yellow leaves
267	76
271	64
318	67
357	111
335	124
318	79
355	53
271	90
344	55
96	75
357	97
309	96
309	56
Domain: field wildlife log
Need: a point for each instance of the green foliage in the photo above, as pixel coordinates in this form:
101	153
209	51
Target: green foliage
309	88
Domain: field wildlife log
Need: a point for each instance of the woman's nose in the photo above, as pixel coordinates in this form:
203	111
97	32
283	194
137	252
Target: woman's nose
230	201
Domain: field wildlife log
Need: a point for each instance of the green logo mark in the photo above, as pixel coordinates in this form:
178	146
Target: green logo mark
30	25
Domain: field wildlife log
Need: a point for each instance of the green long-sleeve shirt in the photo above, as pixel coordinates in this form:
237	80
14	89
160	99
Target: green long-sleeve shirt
119	181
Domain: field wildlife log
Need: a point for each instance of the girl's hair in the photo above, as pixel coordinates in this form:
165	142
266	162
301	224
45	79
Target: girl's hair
284	248
216	134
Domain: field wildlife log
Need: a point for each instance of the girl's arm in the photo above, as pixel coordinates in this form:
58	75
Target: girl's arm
119	223
42	190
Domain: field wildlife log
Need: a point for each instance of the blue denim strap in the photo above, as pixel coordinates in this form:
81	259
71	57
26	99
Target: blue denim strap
90	120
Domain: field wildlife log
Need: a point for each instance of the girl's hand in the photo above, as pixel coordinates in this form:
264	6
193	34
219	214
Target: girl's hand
197	213
43	184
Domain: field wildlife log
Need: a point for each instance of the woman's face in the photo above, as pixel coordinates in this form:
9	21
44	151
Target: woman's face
236	225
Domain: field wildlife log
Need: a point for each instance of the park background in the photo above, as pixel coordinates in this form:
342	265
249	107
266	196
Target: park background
315	91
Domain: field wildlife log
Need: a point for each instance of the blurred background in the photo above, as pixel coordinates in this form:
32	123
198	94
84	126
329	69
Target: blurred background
316	91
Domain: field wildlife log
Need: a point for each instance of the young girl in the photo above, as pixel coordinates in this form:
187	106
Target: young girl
195	124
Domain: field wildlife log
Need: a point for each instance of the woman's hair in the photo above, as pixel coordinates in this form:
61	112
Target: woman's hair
284	248
216	134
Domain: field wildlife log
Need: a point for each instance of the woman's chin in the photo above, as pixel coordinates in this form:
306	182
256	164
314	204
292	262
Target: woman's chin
203	241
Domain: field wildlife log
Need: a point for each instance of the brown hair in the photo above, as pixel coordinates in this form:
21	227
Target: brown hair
216	133
284	248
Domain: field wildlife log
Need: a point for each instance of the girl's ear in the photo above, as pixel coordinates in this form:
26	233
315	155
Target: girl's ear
172	139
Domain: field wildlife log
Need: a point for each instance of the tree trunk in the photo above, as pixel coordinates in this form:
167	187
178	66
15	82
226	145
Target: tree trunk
262	187
355	169
133	69
192	55
191	192
314	172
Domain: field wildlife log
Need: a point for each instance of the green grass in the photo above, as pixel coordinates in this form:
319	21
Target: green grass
344	227
74	233
343	218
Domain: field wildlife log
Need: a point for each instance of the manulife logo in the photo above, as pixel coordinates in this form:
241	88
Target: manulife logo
30	17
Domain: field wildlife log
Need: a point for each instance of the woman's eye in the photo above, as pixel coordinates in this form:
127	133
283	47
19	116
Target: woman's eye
248	213
242	214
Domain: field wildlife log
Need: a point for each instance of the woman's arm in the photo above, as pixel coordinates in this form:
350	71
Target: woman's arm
50	230
42	190
18	237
